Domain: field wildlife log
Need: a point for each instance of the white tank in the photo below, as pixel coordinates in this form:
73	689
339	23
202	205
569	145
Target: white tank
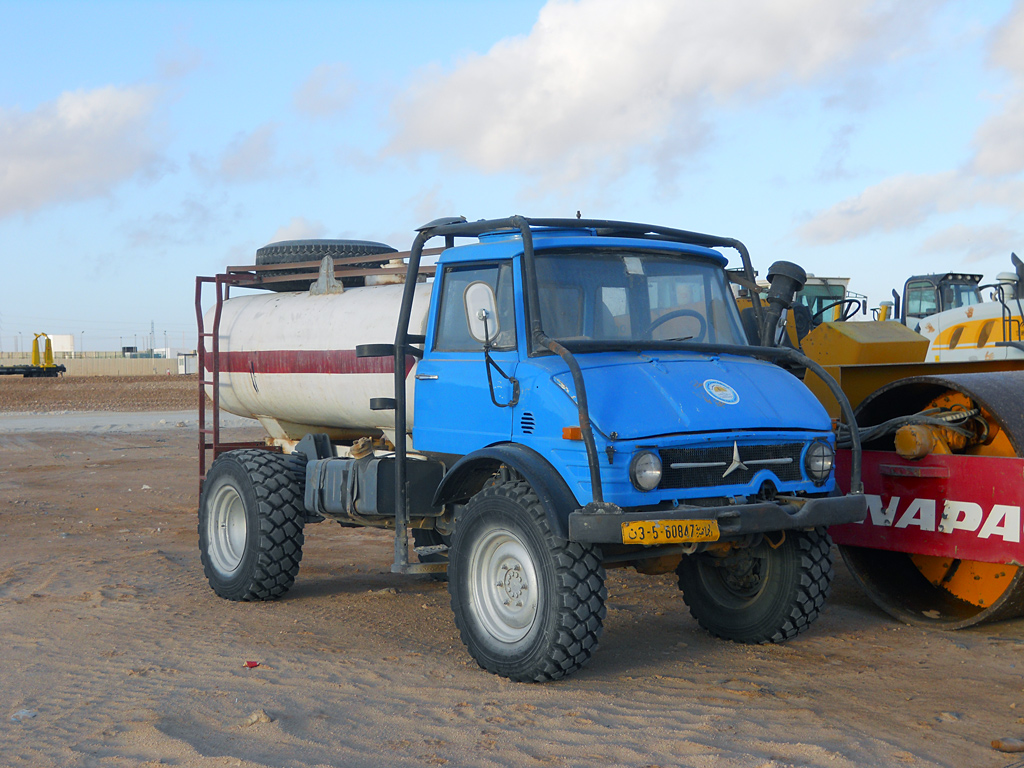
289	360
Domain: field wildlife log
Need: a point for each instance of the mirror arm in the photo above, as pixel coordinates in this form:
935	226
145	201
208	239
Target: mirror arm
488	364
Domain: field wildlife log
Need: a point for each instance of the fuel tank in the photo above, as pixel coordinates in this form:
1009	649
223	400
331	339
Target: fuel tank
289	359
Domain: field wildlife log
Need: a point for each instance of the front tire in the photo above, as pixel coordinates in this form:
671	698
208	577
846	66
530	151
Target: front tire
528	605
762	594
251	517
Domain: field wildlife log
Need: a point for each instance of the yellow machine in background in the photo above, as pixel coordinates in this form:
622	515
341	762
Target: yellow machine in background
937	382
42	362
943	470
47	356
950	311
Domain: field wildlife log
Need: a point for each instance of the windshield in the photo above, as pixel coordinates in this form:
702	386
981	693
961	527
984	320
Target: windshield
960	295
819	298
616	295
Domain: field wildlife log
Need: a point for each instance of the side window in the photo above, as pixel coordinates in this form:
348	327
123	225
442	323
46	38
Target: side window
453	330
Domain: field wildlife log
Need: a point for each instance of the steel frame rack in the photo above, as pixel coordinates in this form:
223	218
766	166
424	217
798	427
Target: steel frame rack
208	341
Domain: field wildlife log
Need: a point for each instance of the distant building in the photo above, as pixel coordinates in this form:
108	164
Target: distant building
187	363
62	343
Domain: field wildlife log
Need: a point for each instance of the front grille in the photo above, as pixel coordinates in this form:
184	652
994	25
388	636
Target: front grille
716	461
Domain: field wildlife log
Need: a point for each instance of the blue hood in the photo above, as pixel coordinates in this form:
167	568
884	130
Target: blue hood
640	395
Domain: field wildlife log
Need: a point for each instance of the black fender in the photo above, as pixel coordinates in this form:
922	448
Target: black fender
468	475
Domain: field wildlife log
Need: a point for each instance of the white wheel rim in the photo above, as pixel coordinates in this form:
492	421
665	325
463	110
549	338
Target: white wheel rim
226	530
504	586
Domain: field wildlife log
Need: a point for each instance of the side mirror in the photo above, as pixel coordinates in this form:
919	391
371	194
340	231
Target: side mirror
481	311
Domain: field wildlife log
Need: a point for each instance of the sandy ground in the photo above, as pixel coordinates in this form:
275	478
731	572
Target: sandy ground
115	652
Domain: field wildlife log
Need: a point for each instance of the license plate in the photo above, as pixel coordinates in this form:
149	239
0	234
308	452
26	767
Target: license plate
669	531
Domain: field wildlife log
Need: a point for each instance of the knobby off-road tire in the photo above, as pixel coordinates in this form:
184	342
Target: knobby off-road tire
528	605
294	251
251	517
762	594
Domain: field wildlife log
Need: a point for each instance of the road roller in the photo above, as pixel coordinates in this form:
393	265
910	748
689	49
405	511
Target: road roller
943	472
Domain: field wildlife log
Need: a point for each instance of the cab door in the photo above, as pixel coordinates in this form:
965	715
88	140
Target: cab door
455	410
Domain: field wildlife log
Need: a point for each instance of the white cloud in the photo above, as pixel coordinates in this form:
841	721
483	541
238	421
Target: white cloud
999	141
249	157
906	201
181	61
1006	51
896	203
597	83
189	225
80	146
973	243
991	177
327	91
299	228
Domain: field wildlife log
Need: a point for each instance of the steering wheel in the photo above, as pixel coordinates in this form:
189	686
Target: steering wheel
699	336
850	307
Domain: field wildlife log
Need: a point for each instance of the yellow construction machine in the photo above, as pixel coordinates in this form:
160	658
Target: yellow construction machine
941	417
42	362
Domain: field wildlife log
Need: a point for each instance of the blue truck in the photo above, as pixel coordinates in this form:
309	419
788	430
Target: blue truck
572	395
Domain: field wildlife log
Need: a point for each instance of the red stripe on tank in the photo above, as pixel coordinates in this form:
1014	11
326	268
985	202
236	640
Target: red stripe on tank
305	361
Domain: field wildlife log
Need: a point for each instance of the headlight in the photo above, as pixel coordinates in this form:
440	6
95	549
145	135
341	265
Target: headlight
818	461
645	470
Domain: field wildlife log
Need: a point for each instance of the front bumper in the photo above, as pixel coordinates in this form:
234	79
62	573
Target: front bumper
602	523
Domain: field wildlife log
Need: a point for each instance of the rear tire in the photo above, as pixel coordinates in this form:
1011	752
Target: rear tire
761	594
528	605
250	524
294	251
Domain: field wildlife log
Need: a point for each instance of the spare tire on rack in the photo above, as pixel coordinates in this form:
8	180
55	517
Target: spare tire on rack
294	251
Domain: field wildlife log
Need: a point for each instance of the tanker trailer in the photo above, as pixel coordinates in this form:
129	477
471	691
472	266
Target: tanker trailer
586	397
943	470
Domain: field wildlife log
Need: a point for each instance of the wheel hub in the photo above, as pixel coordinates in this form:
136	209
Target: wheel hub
513	583
504	584
742	574
226	530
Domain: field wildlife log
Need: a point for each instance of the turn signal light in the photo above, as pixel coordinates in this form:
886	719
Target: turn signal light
572	433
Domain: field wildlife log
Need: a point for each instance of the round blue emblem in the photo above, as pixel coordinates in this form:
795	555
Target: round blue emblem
721	392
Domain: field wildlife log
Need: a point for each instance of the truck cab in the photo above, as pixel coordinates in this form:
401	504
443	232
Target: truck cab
666	422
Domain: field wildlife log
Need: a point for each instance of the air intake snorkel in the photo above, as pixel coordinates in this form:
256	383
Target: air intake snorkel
785	279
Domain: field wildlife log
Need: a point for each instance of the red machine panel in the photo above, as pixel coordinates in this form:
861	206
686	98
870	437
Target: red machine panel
964	507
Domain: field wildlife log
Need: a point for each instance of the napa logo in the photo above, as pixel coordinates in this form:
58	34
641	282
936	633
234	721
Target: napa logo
721	392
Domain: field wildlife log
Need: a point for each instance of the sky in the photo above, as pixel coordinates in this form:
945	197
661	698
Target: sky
144	143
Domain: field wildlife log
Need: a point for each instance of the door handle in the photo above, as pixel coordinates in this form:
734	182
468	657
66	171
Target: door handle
426	377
